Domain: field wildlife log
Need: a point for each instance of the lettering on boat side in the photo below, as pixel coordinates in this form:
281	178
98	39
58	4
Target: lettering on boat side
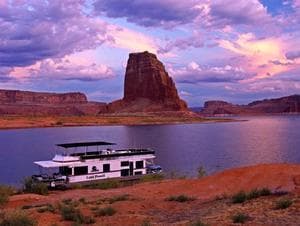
95	176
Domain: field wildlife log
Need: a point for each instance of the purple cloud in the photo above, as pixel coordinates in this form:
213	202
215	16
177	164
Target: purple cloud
150	13
194	73
169	13
37	30
231	12
293	55
196	41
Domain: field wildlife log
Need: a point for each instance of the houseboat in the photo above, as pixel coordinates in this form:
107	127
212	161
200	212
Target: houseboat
85	162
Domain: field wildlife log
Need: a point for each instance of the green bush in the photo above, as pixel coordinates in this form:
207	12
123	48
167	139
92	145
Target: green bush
17	218
82	200
240	218
106	211
118	198
47	208
198	223
106	184
70	213
180	198
146	223
201	172
5	192
239	197
242	196
253	194
265	192
32	186
152	177
283	204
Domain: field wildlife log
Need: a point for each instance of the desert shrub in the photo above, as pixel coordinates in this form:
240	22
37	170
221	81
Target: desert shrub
32	186
280	193
47	208
118	198
201	172
180	198
17	218
240	218
27	207
146	223
253	194
70	213
283	204
265	192
82	200
88	220
239	197
106	184
5	192
106	211
59	123
152	177
198	223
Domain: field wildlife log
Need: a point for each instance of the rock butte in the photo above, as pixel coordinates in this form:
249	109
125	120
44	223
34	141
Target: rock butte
148	87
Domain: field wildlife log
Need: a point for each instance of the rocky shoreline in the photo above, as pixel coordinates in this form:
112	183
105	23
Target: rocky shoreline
18	122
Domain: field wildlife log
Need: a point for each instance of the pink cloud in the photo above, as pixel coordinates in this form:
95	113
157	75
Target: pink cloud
81	66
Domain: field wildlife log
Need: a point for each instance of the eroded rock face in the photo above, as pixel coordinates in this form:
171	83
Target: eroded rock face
289	104
25	103
148	87
23	97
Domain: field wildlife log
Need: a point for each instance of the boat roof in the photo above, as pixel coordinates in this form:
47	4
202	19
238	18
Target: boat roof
51	164
84	144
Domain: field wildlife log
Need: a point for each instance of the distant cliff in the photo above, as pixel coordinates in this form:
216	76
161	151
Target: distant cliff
26	103
27	97
289	104
147	87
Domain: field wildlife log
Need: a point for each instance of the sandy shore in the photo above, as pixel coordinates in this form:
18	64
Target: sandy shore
147	201
12	122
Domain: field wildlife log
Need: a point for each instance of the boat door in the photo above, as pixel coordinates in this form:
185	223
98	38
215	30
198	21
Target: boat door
130	168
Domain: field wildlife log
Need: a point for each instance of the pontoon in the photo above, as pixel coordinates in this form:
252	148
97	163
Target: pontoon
84	162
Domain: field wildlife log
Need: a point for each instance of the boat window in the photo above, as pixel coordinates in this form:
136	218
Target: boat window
106	168
124	172
139	164
125	163
138	173
65	170
81	170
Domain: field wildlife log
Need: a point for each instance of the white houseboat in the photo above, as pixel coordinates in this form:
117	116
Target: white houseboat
78	163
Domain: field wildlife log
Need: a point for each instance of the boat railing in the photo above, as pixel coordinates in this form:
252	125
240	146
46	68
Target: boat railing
110	152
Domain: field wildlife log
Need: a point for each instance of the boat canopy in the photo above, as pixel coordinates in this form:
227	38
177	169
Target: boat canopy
51	164
84	144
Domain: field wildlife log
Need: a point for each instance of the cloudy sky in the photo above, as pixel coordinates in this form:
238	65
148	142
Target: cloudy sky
235	50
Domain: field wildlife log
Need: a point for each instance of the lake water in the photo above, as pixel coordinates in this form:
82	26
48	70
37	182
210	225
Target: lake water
179	148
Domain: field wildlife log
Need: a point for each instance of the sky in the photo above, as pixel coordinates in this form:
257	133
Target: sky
232	50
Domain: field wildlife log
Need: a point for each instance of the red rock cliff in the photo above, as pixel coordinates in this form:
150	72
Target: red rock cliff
148	87
27	97
283	105
25	103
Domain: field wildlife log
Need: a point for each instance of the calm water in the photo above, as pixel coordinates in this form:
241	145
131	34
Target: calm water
179	148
